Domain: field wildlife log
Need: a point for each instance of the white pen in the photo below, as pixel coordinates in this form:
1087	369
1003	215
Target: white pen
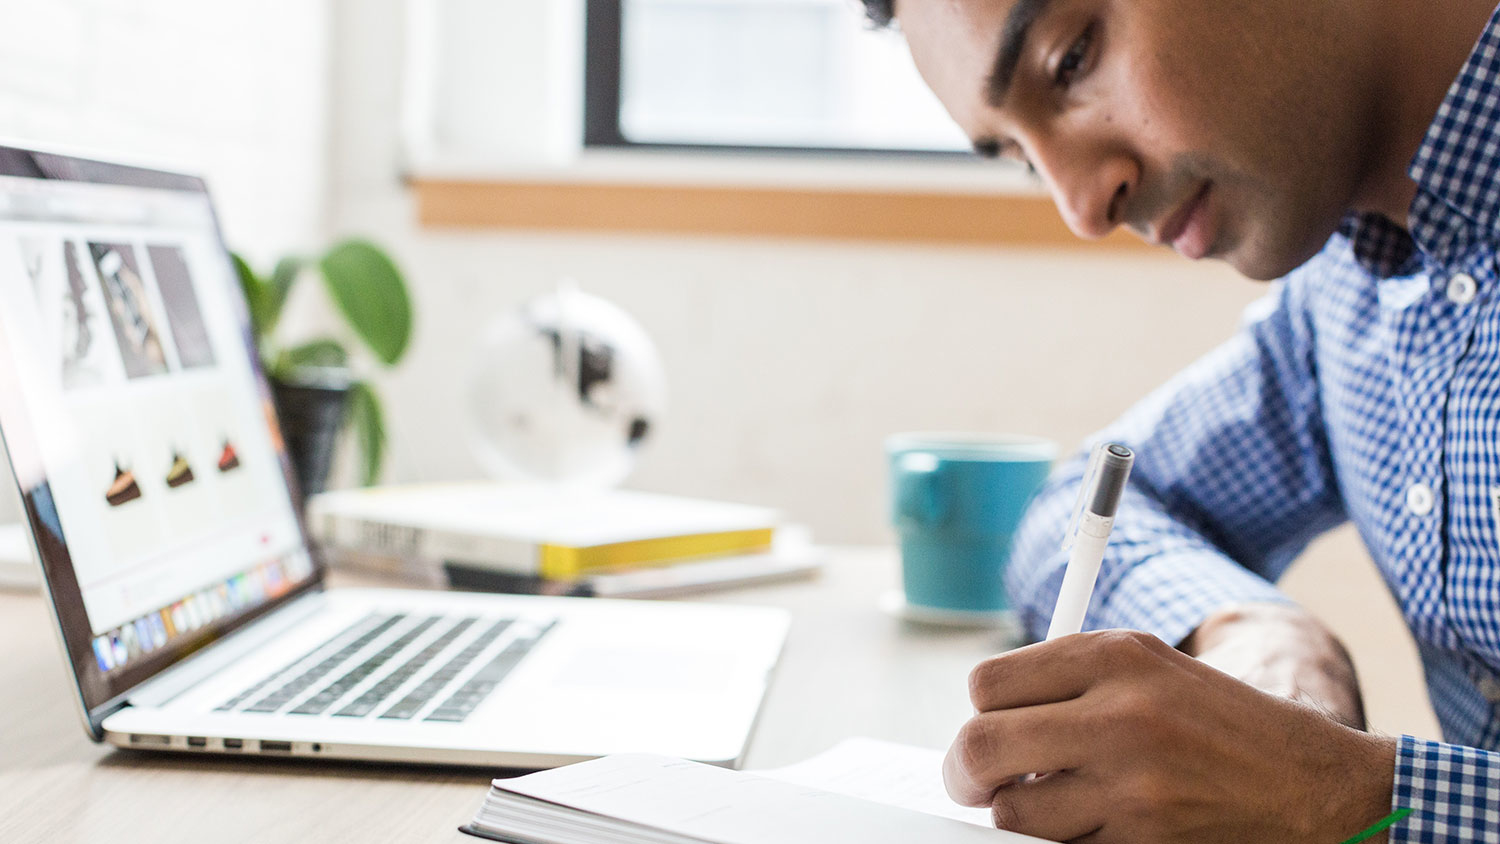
1088	533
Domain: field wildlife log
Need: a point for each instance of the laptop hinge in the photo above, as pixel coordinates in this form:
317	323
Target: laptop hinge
181	677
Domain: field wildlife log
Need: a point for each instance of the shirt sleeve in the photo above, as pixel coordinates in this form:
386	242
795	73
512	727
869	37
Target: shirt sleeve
1453	792
1232	479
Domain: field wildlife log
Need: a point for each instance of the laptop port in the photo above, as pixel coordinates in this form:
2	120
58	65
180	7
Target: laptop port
160	741
233	743
197	741
276	747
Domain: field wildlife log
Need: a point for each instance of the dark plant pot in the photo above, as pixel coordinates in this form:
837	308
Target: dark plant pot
311	409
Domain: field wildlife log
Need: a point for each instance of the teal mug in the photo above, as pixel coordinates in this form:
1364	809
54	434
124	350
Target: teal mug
956	500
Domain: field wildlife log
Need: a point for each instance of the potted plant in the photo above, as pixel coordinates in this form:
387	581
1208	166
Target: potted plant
316	392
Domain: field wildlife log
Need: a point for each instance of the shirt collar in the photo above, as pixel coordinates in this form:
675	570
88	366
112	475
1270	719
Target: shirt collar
1383	248
1457	167
1457	171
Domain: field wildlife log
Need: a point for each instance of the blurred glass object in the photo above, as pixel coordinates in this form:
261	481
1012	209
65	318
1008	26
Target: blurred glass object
566	389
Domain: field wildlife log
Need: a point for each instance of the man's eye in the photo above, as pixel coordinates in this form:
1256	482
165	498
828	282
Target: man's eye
1008	150
1013	152
1072	61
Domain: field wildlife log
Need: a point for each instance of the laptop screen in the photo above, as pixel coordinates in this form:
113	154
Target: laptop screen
139	427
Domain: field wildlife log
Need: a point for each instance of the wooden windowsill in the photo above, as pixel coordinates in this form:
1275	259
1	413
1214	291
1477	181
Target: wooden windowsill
894	216
962	203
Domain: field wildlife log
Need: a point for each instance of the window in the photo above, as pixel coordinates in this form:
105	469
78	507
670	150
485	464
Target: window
755	74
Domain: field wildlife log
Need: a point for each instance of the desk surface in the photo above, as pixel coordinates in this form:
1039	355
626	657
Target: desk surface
848	669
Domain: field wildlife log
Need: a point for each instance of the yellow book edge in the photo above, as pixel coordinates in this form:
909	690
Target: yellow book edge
562	562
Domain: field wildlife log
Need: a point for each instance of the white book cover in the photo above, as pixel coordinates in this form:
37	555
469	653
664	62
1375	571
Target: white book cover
506	525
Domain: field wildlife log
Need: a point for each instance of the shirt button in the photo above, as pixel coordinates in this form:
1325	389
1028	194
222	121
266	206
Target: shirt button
1419	499
1461	289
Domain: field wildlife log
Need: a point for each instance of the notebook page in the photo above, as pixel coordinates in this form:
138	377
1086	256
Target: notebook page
894	774
730	807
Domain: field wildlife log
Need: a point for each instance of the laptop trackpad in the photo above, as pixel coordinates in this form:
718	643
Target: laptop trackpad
647	668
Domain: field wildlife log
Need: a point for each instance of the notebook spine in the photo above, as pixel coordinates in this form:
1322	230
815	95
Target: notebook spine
413	542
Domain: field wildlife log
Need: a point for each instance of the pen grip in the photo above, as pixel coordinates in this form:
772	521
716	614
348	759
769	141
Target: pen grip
1078	584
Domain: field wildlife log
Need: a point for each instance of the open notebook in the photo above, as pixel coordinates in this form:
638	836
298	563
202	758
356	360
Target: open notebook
862	790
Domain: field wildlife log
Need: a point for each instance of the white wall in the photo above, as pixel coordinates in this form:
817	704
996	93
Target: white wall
235	91
788	363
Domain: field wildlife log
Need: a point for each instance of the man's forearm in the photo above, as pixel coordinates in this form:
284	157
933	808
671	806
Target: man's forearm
1284	650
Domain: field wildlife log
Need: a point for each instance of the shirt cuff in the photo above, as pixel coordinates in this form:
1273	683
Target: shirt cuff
1451	790
1170	595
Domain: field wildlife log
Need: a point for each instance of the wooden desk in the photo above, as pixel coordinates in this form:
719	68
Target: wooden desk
848	669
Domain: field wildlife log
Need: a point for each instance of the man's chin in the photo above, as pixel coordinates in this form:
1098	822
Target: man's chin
1268	264
1259	270
1268	255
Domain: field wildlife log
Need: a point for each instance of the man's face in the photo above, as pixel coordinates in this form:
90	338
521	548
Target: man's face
1227	129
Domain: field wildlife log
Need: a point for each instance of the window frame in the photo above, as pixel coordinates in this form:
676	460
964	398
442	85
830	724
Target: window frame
603	53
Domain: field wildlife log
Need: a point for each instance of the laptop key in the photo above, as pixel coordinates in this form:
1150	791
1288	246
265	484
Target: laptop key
357	709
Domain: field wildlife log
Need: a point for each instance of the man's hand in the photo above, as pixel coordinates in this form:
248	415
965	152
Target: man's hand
1283	650
1139	742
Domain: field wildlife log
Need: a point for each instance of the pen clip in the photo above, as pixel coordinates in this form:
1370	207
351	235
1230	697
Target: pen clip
1090	473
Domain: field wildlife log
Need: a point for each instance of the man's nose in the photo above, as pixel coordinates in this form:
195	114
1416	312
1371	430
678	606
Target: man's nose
1092	191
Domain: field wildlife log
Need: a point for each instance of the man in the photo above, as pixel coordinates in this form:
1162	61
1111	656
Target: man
1352	146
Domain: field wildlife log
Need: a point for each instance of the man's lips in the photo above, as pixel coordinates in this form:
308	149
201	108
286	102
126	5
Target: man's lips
1187	229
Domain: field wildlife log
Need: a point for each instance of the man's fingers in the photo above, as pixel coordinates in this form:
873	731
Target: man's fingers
1059	807
1063	669
993	749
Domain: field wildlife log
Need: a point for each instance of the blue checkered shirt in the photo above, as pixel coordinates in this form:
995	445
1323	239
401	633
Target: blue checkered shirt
1365	387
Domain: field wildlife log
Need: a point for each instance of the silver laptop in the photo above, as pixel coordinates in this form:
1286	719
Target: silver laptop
191	608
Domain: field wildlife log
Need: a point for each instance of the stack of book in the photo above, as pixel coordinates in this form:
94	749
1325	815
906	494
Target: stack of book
540	539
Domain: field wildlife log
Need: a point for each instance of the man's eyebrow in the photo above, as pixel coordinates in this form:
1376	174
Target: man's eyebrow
1012	42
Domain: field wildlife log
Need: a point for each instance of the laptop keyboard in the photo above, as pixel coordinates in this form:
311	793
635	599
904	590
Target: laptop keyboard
377	694
312	675
337	689
460	703
395	671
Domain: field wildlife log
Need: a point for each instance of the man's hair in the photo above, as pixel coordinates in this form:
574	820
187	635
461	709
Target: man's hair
880	12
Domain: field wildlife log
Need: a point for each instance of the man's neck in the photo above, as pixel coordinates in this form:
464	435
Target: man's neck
1422	48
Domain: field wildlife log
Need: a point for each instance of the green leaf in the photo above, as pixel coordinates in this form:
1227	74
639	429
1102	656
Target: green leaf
369	289
279	286
367	419
323	352
255	295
